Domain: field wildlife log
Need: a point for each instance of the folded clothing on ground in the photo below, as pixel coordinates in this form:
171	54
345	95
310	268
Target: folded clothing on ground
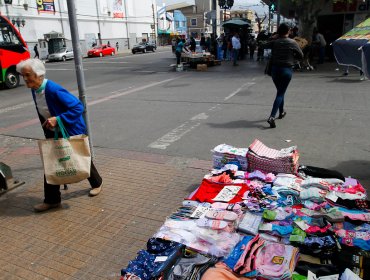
208	191
255	257
223	154
159	256
260	157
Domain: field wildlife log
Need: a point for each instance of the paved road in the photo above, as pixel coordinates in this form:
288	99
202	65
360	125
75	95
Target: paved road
138	103
152	128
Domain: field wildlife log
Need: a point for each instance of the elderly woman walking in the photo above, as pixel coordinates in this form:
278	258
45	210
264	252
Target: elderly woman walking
283	55
54	101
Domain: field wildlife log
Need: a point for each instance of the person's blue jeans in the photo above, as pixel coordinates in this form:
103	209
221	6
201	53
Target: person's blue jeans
321	55
235	55
178	57
281	77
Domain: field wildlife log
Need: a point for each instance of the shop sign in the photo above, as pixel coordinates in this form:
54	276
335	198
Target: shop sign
45	6
352	6
117	9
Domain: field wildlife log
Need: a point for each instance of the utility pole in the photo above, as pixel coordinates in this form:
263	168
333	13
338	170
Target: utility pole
269	22
79	66
278	12
153	25
127	32
97	15
214	20
61	17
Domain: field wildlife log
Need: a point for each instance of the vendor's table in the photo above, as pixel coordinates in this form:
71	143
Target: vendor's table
198	58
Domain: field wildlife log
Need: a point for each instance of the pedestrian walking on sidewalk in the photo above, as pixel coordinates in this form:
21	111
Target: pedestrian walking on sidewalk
284	51
179	49
36	50
117	46
235	41
53	101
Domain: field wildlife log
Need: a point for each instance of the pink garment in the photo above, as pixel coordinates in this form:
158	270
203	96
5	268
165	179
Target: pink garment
360	216
223	178
353	234
349	189
252	256
316	229
270	177
276	260
241	262
221	272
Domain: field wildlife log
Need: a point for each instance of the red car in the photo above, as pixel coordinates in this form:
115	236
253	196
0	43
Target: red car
101	51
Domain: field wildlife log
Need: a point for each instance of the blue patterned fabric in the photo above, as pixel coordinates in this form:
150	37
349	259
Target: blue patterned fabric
144	266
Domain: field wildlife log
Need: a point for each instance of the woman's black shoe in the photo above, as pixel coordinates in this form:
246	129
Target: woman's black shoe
271	122
282	115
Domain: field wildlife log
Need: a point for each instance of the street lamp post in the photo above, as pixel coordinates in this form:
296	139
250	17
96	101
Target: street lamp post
19	23
226	5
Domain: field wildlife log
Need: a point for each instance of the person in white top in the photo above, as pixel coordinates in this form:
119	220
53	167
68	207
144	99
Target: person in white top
320	42
235	41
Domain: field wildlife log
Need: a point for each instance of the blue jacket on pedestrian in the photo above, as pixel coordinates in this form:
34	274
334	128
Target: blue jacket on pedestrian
61	103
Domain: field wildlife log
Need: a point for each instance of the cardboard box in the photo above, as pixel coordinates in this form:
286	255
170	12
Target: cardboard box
202	67
217	62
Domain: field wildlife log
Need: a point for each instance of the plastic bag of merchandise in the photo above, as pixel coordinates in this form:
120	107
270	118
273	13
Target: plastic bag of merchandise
224	154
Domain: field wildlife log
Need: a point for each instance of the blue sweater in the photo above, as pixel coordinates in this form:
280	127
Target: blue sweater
65	105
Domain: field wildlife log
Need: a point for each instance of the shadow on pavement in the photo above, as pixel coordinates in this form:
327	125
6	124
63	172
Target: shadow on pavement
358	169
240	124
346	81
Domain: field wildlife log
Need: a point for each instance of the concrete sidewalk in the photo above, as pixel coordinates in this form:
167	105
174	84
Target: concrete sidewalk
89	238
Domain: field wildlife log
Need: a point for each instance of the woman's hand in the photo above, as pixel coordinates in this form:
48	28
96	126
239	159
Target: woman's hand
50	123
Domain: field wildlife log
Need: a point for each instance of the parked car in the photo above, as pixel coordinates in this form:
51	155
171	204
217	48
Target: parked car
144	47
101	51
61	55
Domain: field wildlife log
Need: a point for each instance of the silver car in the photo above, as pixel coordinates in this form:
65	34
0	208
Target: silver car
62	55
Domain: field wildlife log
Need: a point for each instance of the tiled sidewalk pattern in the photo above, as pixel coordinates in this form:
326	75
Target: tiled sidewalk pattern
90	238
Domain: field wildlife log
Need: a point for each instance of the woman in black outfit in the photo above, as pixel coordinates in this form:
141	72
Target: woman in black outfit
283	56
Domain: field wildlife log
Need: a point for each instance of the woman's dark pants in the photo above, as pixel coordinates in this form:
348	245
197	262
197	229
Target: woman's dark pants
52	192
281	77
178	57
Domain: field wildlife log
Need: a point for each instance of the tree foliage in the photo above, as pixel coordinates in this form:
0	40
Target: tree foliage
260	21
304	11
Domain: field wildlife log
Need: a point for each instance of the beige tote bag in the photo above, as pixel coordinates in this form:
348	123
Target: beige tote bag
66	160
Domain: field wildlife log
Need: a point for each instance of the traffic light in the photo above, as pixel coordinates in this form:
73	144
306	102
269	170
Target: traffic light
208	17
8	1
272	7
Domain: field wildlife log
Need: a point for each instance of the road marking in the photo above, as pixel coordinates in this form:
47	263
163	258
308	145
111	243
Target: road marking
107	98
201	116
176	134
60	69
16	107
238	90
106	62
173	136
126	92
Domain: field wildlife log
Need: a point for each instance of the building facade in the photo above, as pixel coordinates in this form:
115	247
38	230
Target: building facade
340	17
122	21
196	15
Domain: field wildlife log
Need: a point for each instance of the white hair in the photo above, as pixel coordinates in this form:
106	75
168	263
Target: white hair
35	64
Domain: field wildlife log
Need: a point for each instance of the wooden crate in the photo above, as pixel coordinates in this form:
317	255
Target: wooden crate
202	67
217	62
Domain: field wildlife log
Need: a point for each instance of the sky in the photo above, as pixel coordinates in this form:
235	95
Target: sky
238	4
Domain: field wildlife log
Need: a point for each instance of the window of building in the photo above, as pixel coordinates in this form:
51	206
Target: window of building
177	24
193	22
